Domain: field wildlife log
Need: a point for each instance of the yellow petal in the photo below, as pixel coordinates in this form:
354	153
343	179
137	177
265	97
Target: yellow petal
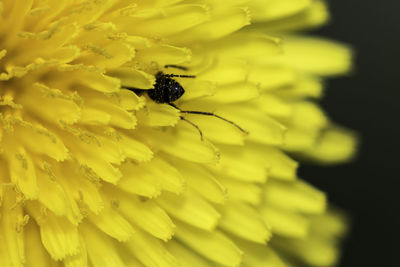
295	196
309	112
37	256
118	116
260	126
225	71
94	116
86	151
214	245
323	57
275	9
157	115
305	86
108	56
244	221
97	244
59	236
77	181
51	194
230	20
202	181
12	222
185	256
133	78
16	13
149	175
23	174
134	149
165	54
216	130
285	223
64	107
252	47
281	165
65	54
169	21
300	140
147	215
256	255
89	78
41	141
138	181
128	100
190	208
330	225
242	164
183	142
271	76
242	190
333	146
315	14
196	89
275	106
311	251
150	251
235	92
111	222
80	259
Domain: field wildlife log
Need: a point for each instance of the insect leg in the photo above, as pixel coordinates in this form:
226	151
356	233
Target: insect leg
210	114
179	76
195	126
176	67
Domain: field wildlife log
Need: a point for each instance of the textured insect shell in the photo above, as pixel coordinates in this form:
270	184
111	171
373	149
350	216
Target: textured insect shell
166	90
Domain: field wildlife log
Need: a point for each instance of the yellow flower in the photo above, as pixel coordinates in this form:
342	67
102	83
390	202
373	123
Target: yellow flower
93	174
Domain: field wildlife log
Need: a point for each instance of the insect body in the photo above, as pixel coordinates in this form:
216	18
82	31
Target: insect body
167	90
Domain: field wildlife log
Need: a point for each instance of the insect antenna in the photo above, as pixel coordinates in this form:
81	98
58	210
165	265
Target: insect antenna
210	114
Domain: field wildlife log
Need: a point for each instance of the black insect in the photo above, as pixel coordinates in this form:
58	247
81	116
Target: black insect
167	90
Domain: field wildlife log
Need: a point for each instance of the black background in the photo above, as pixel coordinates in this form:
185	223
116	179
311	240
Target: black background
367	101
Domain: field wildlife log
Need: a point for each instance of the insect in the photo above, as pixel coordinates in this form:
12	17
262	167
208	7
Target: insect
167	90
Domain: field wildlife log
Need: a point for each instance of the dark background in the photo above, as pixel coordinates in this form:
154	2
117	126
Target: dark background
367	101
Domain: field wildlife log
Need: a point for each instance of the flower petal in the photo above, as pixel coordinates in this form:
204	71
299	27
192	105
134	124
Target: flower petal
213	245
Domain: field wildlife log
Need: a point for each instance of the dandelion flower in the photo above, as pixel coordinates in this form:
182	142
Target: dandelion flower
93	174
